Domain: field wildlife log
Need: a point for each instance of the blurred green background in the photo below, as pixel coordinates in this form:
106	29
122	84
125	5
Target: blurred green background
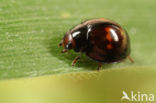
30	31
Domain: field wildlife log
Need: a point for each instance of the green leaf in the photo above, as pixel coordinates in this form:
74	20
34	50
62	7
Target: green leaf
30	31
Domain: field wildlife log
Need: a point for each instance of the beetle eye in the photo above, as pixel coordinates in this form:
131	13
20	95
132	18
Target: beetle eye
69	45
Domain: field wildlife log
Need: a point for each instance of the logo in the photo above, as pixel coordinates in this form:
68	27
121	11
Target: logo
137	96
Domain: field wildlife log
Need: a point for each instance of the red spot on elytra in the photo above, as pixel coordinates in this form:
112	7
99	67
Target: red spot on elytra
109	46
108	35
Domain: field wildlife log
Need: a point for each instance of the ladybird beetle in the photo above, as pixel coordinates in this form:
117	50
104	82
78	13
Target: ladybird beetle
101	39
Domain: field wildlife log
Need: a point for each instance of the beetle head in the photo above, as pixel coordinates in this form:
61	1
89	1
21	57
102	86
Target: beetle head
68	42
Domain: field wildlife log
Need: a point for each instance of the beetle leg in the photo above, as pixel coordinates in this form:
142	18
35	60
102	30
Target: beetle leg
99	66
64	50
75	60
129	57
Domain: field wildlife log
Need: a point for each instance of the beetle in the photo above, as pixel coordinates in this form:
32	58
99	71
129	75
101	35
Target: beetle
102	40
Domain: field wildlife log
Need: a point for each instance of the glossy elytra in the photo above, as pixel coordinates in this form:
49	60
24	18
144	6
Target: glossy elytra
102	40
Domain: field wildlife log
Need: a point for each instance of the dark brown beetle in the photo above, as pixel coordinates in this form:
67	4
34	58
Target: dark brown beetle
100	39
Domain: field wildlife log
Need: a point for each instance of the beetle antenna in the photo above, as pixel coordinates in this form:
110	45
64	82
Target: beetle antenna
60	44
